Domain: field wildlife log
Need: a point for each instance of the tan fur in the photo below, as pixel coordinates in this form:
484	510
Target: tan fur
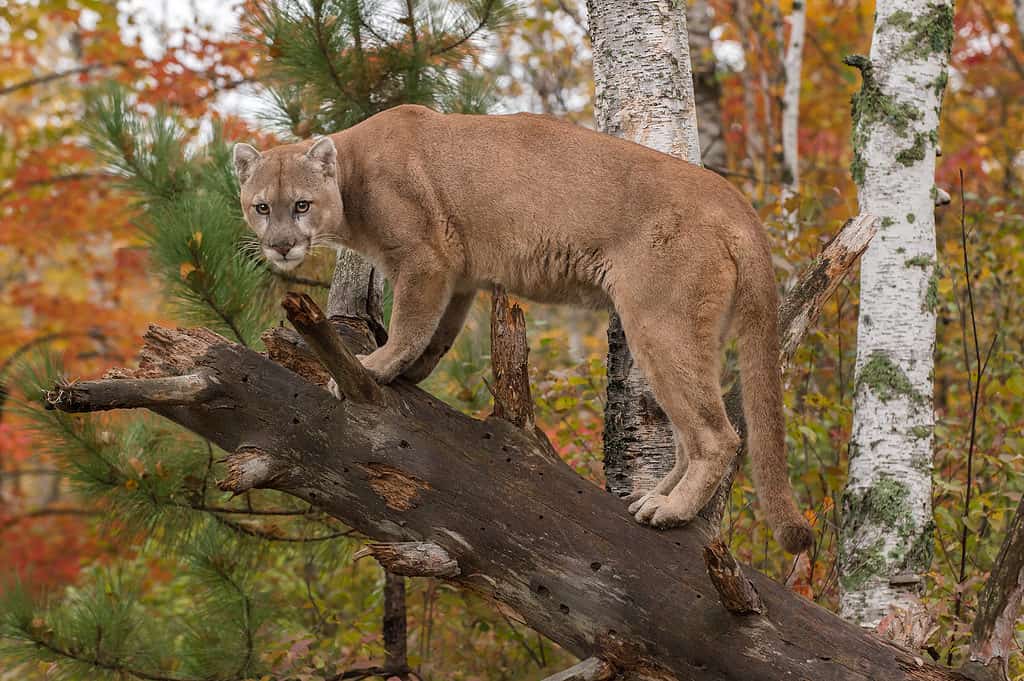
448	204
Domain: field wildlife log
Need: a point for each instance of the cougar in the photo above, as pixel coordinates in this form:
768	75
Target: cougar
446	204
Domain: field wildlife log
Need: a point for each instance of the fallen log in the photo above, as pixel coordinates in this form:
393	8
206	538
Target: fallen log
489	501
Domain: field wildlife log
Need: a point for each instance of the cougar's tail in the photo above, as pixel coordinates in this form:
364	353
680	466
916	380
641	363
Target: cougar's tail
761	380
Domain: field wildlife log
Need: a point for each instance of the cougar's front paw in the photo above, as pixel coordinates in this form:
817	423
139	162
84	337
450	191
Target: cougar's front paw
636	500
671	515
383	369
646	510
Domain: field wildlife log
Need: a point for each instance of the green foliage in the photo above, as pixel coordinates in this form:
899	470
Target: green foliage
335	63
190	215
240	588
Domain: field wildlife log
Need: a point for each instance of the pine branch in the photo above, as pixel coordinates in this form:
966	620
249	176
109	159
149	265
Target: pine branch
107	666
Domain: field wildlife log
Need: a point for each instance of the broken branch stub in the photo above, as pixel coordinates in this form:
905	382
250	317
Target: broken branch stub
590	669
130	393
412	559
999	607
353	381
510	353
737	593
249	468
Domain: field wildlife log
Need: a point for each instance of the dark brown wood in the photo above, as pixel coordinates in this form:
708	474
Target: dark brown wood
412	559
526	531
73	396
396	659
353	381
738	595
510	353
999	607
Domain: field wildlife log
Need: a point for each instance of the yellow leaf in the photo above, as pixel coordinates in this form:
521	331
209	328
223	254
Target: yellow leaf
131	484
186	269
197	238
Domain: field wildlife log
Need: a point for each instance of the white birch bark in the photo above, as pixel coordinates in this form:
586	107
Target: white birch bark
643	93
793	64
886	536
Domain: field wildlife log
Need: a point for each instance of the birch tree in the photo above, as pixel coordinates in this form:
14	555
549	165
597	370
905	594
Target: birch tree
886	536
793	64
643	89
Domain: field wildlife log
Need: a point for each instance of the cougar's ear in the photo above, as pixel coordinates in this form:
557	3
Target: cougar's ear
324	153
245	156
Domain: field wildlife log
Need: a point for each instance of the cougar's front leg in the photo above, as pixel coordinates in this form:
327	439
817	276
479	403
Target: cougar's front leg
447	329
421	298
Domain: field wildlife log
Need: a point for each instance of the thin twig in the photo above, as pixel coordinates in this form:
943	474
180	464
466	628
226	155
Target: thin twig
57	75
975	400
42	512
484	18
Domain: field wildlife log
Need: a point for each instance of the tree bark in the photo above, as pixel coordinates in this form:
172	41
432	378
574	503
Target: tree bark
522	527
509	354
793	64
886	536
643	92
992	637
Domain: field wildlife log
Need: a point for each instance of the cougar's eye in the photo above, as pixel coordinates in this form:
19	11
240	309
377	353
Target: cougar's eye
262	209
302	206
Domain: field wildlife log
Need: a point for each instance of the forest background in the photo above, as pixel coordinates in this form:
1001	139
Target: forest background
80	281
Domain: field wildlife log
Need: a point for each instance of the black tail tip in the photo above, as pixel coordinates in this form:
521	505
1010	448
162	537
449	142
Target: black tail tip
795	537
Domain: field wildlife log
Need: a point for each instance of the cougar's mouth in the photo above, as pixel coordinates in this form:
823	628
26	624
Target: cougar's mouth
286	259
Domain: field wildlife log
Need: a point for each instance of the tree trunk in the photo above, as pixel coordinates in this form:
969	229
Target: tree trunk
793	64
707	90
886	536
643	92
488	506
992	636
357	293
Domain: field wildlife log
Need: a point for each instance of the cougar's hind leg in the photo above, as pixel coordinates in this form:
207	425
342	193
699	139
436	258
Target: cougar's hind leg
676	343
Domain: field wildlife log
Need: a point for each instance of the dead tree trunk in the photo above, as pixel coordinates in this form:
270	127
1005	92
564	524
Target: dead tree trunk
992	637
489	508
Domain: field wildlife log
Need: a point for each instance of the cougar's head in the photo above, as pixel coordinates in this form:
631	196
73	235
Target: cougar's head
290	198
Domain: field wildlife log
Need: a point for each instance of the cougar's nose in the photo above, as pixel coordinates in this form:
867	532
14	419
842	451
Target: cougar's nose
283	247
